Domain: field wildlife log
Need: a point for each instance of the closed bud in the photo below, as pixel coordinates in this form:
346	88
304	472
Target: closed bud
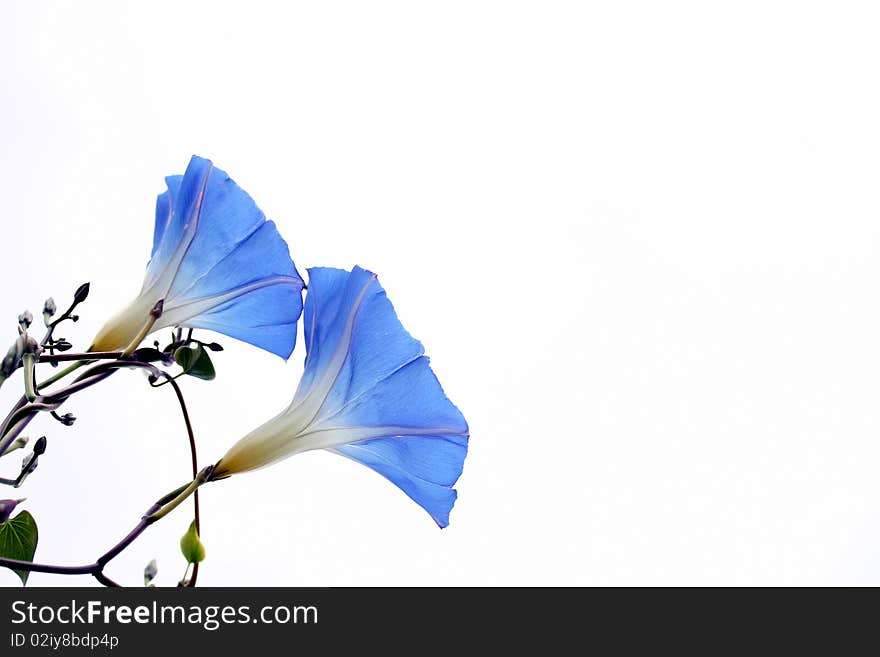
82	293
25	319
20	443
190	545
40	446
12	359
8	365
49	310
150	572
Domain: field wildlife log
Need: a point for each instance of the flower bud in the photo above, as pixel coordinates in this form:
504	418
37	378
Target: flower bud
67	419
49	310
191	546
82	293
150	572
13	357
20	443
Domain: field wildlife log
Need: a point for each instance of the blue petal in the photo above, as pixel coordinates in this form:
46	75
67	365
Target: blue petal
261	255
409	397
265	318
164	207
424	467
227	218
232	271
376	342
326	286
383	382
178	226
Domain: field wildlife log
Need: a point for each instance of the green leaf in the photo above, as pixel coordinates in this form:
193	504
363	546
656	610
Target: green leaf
18	540
191	546
185	357
195	362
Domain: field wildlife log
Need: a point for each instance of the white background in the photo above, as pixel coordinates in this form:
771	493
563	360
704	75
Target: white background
637	239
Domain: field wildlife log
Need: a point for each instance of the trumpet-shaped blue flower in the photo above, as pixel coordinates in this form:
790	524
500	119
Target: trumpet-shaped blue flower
367	393
216	264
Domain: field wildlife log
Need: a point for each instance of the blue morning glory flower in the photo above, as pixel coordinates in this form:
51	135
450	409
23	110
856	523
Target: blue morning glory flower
367	393
216	264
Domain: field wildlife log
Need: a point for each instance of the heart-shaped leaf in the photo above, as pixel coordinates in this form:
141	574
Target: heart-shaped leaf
18	540
196	362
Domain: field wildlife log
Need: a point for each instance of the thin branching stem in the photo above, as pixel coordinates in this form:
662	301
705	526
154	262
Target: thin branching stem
88	356
195	464
97	569
24	411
